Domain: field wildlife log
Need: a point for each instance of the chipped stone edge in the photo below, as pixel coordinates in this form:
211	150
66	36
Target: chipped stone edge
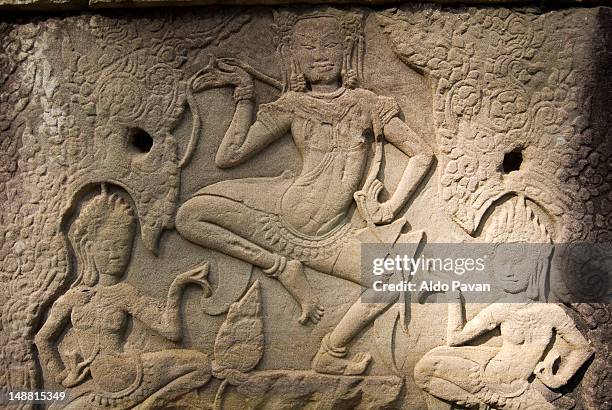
62	5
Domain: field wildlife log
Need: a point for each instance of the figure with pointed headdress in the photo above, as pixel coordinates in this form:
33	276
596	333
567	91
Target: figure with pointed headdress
284	223
101	372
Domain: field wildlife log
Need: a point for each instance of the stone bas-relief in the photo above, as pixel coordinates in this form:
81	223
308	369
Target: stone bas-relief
476	376
98	372
185	195
304	220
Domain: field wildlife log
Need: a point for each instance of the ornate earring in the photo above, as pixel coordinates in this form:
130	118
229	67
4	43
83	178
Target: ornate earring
349	75
349	78
297	81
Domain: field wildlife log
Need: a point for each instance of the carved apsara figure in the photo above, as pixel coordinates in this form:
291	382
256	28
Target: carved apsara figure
284	223
99	372
515	375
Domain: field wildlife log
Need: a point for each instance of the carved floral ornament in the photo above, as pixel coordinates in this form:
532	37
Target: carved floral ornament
152	260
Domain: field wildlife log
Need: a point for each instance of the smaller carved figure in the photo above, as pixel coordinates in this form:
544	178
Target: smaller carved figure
99	372
503	377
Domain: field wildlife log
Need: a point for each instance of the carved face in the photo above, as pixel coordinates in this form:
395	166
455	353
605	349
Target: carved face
514	265
113	246
318	46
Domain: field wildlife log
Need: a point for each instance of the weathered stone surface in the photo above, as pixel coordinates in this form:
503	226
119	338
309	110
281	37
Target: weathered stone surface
185	195
46	5
282	389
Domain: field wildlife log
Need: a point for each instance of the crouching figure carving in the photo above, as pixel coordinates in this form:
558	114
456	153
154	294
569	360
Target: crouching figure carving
98	371
529	363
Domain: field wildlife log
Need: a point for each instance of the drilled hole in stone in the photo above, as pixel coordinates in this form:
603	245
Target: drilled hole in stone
141	140
512	161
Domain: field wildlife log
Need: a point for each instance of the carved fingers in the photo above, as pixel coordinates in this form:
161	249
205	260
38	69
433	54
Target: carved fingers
221	73
312	312
544	371
197	276
377	212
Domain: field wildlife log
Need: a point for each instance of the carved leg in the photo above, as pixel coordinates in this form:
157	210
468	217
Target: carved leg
331	357
444	374
223	225
178	372
174	390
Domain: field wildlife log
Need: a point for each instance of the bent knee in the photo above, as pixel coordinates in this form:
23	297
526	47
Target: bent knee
195	210
186	361
185	216
202	363
425	370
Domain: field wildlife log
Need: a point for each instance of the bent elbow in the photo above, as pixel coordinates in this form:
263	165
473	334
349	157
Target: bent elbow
224	161
425	160
41	340
586	352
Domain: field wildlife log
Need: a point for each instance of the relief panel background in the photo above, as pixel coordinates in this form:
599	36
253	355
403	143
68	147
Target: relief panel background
476	83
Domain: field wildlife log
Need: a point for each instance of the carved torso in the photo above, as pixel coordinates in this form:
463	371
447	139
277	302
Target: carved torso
526	334
331	132
98	321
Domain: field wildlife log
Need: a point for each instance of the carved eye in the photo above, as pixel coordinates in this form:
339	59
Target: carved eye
331	45
308	47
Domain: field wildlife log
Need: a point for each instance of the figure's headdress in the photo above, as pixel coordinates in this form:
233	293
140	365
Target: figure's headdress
85	228
351	24
515	222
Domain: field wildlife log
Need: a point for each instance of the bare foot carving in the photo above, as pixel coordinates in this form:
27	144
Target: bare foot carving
294	280
310	311
331	360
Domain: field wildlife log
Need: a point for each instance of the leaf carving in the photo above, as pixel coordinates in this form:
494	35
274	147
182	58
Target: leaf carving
240	341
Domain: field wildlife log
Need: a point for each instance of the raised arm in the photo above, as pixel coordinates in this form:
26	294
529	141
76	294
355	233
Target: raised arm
485	321
166	320
243	138
579	353
398	133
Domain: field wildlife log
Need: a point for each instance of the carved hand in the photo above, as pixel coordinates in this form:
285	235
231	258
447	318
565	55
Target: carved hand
197	276
61	376
221	73
378	213
76	372
544	371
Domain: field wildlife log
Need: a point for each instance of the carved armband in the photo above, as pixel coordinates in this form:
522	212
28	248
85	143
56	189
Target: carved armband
279	265
274	117
386	108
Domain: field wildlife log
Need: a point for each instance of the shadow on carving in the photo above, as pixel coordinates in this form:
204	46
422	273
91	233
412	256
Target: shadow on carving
538	339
